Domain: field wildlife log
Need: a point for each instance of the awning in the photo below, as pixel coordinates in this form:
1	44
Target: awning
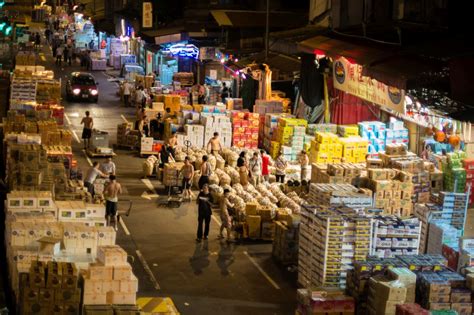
401	71
163	36
281	62
334	47
247	19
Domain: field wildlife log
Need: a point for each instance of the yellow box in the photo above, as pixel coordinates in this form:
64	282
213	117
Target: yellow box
338	149
347	152
349	159
331	148
322	147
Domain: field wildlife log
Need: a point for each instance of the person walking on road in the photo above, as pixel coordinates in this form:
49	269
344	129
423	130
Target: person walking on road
59	55
204	201
37	41
112	191
242	165
88	123
205	172
226	218
188	174
214	145
92	173
70	53
126	93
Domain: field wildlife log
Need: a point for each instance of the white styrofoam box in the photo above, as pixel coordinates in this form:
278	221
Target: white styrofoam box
106	236
95	210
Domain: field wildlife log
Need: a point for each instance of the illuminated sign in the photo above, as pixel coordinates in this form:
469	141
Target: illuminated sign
183	50
147	12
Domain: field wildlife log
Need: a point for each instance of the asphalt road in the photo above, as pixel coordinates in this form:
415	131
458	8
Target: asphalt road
212	276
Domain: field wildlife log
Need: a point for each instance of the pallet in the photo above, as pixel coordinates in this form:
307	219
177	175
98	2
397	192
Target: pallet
93	154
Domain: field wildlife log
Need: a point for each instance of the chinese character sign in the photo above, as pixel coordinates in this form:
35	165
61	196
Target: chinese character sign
348	78
147	15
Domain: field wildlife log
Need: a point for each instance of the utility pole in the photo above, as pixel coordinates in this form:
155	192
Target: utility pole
267	30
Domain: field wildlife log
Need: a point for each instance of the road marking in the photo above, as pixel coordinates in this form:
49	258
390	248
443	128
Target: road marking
124	119
124	227
67	119
148	196
149	185
273	283
75	136
87	157
148	270
213	217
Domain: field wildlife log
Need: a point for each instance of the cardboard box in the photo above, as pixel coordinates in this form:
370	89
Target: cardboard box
254	226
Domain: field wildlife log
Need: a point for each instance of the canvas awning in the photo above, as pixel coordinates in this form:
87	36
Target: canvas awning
335	47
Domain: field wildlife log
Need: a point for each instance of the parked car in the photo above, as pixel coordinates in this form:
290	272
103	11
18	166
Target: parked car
82	86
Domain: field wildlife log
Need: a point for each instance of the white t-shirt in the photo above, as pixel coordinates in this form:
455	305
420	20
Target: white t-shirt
126	88
92	174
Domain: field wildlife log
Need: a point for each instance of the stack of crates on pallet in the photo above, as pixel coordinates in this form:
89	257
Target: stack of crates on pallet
330	239
110	280
285	241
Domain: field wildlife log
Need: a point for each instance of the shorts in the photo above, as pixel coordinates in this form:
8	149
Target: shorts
186	183
86	133
202	181
90	188
110	208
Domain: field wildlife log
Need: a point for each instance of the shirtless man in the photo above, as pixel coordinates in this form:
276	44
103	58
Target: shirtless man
214	145
88	123
111	193
172	142
188	174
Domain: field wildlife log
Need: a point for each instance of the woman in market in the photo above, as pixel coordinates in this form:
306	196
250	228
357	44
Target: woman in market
226	218
242	165
280	165
304	164
205	172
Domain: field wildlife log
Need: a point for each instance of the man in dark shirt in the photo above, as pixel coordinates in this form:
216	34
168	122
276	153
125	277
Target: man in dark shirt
204	201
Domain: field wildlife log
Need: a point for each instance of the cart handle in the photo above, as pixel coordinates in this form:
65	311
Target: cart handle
127	213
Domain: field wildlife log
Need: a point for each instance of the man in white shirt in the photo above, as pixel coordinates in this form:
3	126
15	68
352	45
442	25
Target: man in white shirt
91	176
108	167
139	96
126	93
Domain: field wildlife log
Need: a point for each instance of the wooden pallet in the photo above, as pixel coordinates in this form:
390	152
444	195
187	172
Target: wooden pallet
93	154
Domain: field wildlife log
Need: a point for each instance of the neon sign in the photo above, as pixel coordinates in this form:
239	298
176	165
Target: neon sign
183	50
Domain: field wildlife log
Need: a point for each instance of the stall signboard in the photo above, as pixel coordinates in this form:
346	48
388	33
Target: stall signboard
348	78
147	15
208	53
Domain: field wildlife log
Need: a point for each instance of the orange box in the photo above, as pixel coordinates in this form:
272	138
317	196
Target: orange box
238	114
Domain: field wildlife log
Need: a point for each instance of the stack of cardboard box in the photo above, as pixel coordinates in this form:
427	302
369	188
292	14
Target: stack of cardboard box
322	261
392	189
263	107
384	295
455	175
217	123
172	174
394	236
339	194
324	301
259	221
285	242
337	173
125	136
111	279
245	129
290	134
50	288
